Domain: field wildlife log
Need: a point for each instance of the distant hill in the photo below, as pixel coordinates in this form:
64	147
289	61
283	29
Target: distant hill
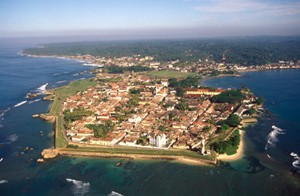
244	51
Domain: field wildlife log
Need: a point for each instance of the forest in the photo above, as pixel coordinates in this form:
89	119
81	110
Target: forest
246	51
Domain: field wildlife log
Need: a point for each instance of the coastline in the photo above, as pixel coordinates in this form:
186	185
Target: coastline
240	151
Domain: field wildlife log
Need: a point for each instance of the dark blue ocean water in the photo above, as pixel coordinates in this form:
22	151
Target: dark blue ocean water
255	174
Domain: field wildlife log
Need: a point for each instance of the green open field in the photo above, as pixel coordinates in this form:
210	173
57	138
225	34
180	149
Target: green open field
61	94
141	151
170	74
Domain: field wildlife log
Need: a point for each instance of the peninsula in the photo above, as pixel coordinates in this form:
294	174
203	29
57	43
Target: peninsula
138	115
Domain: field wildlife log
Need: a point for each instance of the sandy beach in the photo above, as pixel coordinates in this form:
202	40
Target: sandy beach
238	155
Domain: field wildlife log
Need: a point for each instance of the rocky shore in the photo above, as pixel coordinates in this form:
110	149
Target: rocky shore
45	117
49	153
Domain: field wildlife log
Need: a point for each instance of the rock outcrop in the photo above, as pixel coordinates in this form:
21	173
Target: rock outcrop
47	117
49	153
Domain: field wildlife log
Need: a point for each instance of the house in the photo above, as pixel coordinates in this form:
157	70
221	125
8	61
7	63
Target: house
165	83
101	141
158	139
202	91
77	138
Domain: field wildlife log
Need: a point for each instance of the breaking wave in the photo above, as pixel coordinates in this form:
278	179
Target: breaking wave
3	181
33	101
62	81
12	138
19	104
296	163
113	193
79	187
272	138
2	112
58	74
42	88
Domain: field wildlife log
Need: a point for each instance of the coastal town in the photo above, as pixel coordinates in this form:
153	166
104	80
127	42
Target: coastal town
206	67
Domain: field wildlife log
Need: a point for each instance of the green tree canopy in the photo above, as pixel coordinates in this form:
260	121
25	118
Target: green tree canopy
231	96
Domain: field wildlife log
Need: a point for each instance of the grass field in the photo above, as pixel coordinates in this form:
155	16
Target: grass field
170	74
141	151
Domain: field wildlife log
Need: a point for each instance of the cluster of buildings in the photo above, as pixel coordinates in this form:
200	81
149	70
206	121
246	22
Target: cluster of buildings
146	113
206	67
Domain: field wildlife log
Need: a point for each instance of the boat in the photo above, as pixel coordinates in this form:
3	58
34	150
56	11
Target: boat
1	159
118	164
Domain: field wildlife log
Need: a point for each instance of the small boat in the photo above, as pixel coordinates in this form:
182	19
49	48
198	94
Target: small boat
118	164
1	159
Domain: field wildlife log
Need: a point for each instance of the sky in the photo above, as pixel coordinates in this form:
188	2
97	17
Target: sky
110	19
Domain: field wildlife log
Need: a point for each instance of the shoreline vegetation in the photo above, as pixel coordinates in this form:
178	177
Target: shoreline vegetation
58	95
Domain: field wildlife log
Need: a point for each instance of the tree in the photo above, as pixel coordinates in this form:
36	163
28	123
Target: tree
77	114
118	109
231	96
252	111
224	127
171	115
260	100
233	120
182	106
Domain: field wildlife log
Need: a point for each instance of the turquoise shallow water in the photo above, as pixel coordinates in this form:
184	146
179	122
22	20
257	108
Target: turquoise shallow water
255	174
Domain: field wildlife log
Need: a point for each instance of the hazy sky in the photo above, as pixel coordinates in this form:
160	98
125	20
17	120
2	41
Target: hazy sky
149	18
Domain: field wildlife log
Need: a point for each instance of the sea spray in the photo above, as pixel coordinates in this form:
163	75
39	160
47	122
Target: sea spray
42	88
62	81
33	101
2	112
114	193
3	181
13	137
272	138
79	187
296	162
63	73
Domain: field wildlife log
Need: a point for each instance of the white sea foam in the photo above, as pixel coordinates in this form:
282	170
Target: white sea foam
296	163
61	81
79	187
33	101
272	138
12	138
42	88
3	181
19	104
2	112
61	73
114	193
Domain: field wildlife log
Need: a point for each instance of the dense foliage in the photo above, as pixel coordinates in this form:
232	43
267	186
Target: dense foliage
244	51
77	114
229	146
179	85
118	70
231	96
233	120
100	130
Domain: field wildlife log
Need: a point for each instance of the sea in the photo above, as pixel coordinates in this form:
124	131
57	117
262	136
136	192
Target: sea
269	166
